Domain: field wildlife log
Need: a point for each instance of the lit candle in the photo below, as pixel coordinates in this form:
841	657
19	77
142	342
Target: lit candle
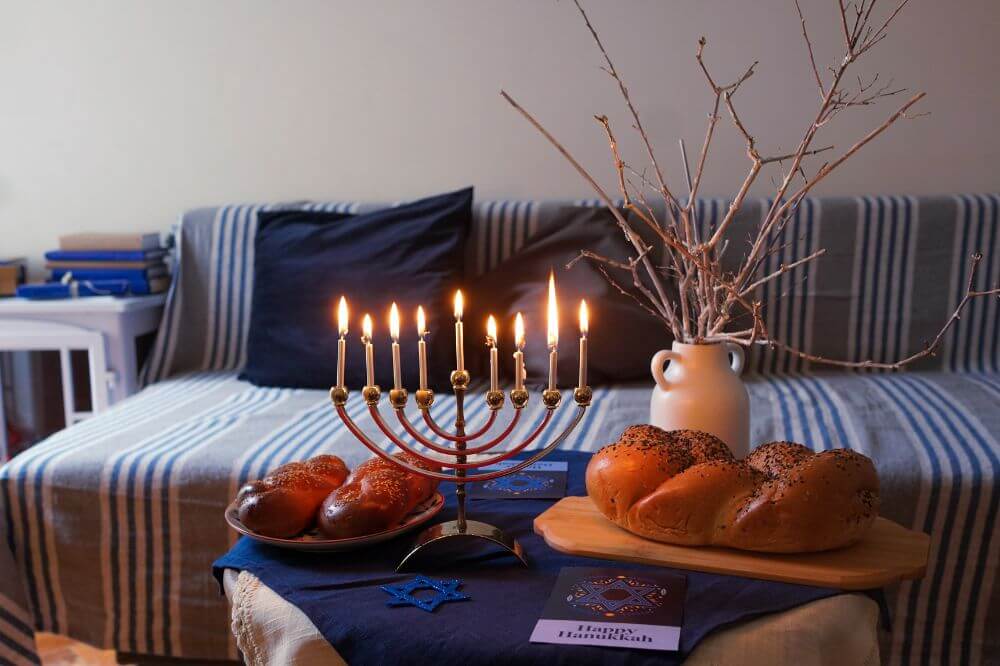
491	342
459	335
553	336
341	343
366	340
519	352
397	375
584	327
422	347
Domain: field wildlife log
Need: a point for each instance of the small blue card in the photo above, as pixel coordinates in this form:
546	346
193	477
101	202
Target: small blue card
541	480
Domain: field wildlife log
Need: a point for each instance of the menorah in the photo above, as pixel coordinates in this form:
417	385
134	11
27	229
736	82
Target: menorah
458	445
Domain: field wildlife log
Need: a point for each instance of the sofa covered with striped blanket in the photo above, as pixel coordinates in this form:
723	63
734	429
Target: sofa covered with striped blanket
109	527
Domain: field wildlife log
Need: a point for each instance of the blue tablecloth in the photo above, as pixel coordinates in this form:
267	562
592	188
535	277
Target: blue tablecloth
340	593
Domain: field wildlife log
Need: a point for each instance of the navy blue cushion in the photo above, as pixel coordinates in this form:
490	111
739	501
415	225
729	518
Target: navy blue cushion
412	254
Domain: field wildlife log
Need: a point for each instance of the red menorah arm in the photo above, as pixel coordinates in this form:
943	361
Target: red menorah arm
453	452
387	431
472	478
440	432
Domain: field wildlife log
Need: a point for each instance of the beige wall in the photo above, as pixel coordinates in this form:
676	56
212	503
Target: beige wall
119	114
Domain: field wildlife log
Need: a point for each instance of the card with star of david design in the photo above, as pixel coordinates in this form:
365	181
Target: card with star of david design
627	608
542	480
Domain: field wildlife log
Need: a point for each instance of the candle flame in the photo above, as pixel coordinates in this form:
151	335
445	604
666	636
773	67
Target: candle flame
553	312
459	305
366	328
519	331
491	331
394	323
342	316
421	321
584	319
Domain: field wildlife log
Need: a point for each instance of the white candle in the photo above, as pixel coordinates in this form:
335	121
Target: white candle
366	340
584	328
491	342
459	333
341	343
422	347
553	332
519	353
397	373
553	363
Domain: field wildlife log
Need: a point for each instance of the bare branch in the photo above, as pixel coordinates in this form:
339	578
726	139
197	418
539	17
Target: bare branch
664	300
779	209
782	270
667	195
587	254
638	300
737	202
880	34
687	178
713	117
619	164
843	23
709	297
827	168
809	46
782	158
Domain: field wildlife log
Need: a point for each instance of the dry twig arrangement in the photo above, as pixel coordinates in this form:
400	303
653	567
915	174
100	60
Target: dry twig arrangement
697	300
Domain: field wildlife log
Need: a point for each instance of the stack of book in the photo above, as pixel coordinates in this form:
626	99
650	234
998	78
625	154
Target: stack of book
111	262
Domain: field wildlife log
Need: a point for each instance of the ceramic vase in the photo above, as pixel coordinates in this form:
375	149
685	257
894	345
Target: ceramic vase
700	389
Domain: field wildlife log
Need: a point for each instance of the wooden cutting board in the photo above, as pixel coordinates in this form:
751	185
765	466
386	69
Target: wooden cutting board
889	553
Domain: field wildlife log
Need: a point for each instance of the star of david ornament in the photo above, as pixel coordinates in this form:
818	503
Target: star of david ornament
402	595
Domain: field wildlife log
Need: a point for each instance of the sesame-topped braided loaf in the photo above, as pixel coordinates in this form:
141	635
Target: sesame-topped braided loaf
376	497
684	487
284	503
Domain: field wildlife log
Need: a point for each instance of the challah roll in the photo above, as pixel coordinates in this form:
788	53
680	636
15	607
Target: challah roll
284	503
376	497
684	487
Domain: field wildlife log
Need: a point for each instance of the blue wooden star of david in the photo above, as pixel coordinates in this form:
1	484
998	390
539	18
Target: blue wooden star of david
447	590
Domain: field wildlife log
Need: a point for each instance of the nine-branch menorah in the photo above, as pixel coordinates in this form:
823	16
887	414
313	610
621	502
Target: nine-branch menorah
454	448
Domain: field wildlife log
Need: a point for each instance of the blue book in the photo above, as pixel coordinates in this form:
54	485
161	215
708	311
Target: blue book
105	255
131	274
56	290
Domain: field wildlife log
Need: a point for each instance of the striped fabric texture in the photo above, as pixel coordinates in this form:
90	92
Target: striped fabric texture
894	271
111	525
115	522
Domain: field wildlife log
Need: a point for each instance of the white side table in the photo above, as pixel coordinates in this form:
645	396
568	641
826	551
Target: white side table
105	326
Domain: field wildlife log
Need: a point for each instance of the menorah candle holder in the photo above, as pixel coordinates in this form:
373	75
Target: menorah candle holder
458	448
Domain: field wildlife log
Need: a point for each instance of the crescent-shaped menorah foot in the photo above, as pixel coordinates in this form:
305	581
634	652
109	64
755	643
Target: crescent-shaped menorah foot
433	538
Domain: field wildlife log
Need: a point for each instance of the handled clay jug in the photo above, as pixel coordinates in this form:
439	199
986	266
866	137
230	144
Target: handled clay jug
701	389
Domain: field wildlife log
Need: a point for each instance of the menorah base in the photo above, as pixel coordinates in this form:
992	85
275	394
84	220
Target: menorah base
450	531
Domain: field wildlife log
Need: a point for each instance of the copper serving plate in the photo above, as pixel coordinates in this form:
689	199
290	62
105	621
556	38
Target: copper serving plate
314	541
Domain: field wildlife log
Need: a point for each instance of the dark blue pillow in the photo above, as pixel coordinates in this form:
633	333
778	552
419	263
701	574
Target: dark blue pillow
412	254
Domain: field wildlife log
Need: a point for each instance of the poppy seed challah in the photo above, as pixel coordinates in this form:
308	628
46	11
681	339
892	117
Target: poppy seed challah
684	487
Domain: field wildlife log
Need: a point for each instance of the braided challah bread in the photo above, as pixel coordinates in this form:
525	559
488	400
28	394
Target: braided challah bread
376	496
684	487
284	503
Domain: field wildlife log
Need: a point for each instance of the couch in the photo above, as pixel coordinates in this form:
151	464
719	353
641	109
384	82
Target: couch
110	526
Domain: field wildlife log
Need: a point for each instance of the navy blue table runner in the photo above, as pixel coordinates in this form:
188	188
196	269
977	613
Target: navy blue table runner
340	594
